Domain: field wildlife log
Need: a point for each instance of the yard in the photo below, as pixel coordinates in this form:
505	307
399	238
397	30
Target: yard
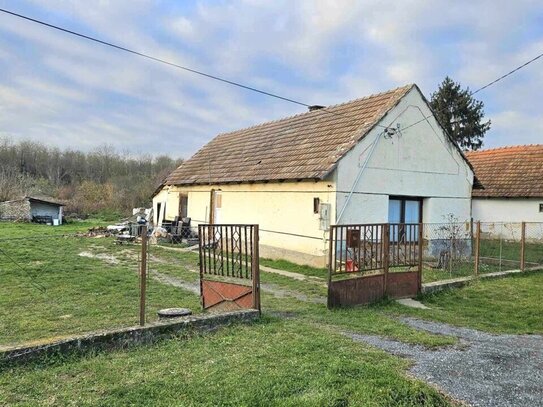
298	354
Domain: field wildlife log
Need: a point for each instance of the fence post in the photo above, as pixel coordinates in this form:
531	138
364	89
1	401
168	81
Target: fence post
143	274
420	238
386	254
331	261
255	264
477	247
522	246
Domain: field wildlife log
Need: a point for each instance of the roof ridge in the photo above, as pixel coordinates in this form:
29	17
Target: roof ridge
503	148
374	95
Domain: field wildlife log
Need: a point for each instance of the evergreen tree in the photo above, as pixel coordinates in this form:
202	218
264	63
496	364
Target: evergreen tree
460	114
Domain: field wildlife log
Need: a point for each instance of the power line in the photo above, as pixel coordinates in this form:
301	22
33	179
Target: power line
507	74
489	84
227	81
32	277
119	47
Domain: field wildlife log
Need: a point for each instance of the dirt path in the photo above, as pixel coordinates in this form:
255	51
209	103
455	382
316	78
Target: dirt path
483	370
175	282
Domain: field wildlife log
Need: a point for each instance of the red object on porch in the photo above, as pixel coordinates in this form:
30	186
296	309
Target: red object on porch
350	266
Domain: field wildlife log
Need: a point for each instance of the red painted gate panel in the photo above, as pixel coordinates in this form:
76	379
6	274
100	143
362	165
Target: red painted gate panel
229	267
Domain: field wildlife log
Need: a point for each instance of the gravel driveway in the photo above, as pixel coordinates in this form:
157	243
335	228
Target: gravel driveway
482	370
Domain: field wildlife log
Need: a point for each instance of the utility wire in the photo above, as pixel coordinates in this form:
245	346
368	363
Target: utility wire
240	85
119	47
489	84
25	271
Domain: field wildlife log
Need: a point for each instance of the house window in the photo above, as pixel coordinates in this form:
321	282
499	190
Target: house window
541	207
316	204
403	210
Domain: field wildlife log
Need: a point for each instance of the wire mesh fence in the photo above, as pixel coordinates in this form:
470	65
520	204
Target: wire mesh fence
447	250
500	246
533	252
56	285
459	249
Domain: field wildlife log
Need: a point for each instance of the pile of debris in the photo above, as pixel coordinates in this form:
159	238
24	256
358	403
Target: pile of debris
97	232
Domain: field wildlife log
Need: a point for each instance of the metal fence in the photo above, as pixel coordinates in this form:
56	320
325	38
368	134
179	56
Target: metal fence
229	266
55	285
459	249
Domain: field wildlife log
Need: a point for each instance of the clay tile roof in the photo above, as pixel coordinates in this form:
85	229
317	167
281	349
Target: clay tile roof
305	146
511	172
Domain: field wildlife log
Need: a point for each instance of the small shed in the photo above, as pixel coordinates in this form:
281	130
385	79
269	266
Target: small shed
32	209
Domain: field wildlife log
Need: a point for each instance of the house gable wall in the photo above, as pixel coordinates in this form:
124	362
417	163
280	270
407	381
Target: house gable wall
419	161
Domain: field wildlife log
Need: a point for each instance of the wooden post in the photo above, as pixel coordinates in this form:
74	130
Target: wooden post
255	264
522	246
420	238
477	247
386	255
471	234
211	206
331	261
143	274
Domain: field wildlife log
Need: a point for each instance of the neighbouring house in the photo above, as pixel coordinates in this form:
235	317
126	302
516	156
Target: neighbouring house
32	209
381	158
511	181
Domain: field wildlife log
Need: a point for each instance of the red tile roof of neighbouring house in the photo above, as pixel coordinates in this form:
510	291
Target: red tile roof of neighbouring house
305	146
509	172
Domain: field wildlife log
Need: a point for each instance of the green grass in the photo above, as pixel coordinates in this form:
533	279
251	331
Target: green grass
296	268
271	363
509	250
505	305
295	356
49	290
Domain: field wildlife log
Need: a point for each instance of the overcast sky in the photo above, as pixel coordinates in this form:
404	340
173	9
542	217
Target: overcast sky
70	92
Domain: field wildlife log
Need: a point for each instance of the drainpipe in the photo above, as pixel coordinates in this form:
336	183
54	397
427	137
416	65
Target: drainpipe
362	168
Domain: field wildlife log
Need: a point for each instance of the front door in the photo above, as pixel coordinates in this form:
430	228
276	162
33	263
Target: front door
404	210
217	205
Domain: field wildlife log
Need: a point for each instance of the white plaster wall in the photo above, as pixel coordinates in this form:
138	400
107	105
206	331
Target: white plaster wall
507	210
418	162
43	209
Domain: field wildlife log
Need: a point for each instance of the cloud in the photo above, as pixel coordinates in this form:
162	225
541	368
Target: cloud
76	93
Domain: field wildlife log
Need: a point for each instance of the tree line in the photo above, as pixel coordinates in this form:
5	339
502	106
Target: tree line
102	181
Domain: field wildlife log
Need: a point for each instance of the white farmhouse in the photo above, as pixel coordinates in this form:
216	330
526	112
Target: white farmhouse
381	158
511	184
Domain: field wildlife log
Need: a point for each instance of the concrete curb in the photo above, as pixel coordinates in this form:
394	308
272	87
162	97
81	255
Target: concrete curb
126	337
462	281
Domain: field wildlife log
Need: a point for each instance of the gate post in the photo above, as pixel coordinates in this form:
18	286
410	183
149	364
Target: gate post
522	246
386	255
255	265
143	273
331	262
419	265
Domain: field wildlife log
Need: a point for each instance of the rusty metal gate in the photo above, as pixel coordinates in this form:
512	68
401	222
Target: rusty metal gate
371	261
229	267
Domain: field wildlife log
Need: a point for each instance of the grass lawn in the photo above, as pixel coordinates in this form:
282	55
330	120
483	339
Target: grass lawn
55	286
295	356
296	268
505	305
271	363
